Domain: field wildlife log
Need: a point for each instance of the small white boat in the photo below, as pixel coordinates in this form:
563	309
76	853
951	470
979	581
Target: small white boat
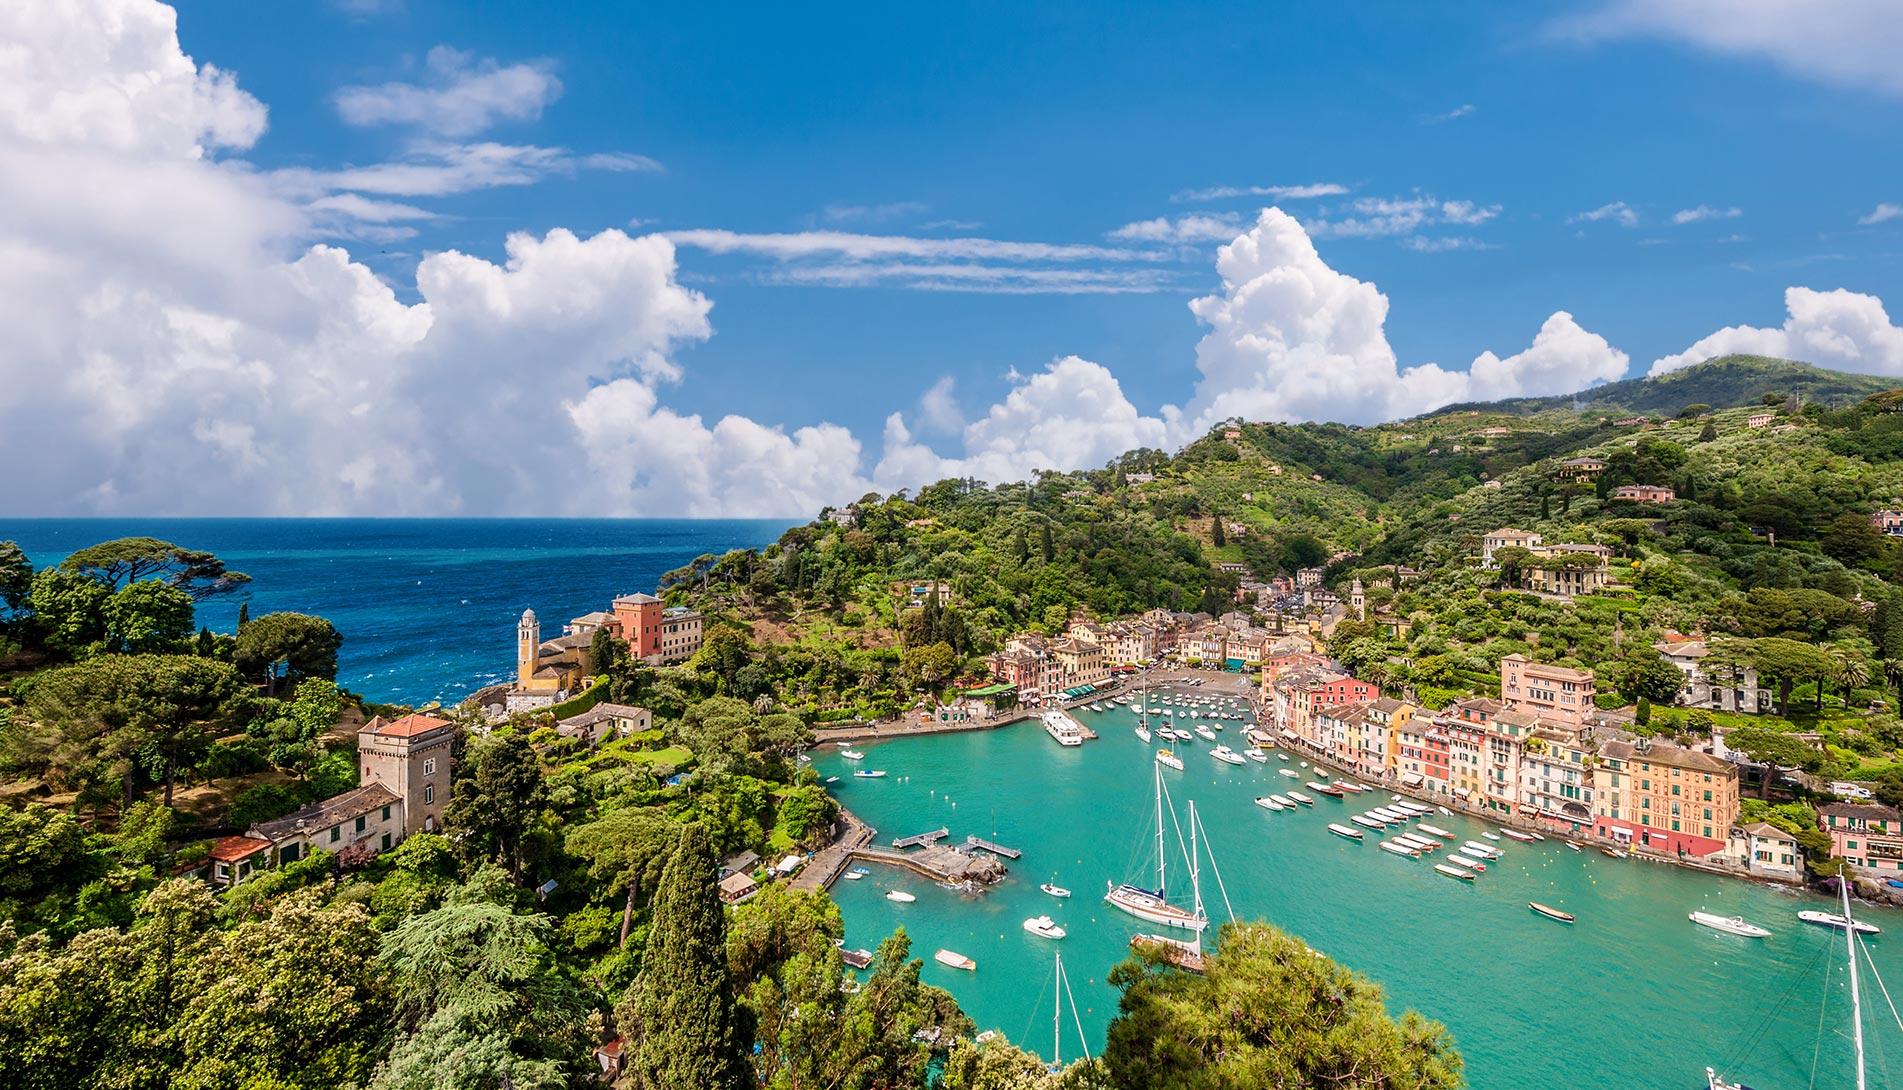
1368	822
1290	773
1144	733
1226	755
1258	756
1831	919
1304	764
1054	889
852	755
1044	927
832	779
1731	925
1281	756
1283	799
1445	810
1474	847
1549	912
1465	861
1615	853
1418	843
1491	836
900	896
1388	814
870	775
1345	831
954	960
1205	733
1270	804
1573	846
1454	872
1305	800
1399	849
1435	830
1169	760
1518	835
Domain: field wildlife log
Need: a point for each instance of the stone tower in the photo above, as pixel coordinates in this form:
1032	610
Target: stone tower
1358	600
410	757
528	644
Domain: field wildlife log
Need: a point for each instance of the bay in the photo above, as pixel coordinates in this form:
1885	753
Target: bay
427	607
1632	995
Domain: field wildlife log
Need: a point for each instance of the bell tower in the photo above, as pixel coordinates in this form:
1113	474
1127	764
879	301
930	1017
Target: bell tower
528	643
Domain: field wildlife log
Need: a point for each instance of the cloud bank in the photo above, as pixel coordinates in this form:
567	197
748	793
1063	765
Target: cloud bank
1841	330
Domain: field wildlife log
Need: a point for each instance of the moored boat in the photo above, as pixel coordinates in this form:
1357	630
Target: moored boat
1290	773
1418	843
1283	799
1054	889
900	896
1044	927
1368	822
1832	920
1345	831
1171	760
871	774
1435	830
955	960
1258	756
1491	836
1321	788
1614	853
1550	912
1143	732
1153	906
852	755
1270	804
1464	861
1226	755
1399	849
1573	846
1202	729
1305	800
1518	835
1187	956
1486	850
1454	872
1731	925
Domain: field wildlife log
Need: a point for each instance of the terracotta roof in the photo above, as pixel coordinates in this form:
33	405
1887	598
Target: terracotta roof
1759	828
602	712
409	726
638	598
319	816
1864	810
233	848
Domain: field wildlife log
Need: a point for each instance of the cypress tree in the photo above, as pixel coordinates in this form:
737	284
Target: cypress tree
244	614
1216	537
1023	549
1546	506
682	1003
1044	542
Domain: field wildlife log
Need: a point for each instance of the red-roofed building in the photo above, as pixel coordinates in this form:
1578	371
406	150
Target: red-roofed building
235	858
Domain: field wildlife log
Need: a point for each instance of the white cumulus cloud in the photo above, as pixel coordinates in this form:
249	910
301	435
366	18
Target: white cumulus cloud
1842	330
1704	212
1618	212
460	95
1882	213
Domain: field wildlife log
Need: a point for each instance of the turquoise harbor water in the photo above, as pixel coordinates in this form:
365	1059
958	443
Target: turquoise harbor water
1634	995
427	607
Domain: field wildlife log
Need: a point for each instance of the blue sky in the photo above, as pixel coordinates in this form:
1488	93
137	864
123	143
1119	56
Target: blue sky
1656	172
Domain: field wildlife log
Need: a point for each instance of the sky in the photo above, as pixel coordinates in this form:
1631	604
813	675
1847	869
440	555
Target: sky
398	257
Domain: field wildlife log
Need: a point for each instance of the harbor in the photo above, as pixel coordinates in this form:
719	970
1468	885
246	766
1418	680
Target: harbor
1632	979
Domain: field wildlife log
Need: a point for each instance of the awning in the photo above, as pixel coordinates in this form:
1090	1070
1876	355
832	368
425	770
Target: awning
1411	779
992	690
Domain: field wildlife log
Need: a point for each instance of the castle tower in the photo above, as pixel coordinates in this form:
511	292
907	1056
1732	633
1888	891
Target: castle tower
1358	600
528	645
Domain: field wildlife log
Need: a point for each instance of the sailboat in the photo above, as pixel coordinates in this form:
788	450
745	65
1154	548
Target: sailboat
1850	931
1060	990
1153	906
1187	954
1143	718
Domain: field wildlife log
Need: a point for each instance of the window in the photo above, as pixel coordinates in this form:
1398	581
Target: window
360	822
429	792
336	833
386	813
429	766
386	842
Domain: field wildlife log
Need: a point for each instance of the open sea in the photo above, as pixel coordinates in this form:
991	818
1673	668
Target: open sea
427	607
1633	995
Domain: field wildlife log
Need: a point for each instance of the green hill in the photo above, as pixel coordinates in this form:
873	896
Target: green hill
1725	382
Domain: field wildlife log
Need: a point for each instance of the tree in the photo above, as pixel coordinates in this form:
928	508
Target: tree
680	1010
148	617
1644	674
137	711
1709	432
68	612
1267	1011
1780	661
1045	549
1773	750
299	645
39	848
130	559
497	797
1513	561
16	579
1216	536
625	851
932	665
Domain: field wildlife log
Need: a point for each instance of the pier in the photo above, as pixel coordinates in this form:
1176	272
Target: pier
995	849
922	840
939	863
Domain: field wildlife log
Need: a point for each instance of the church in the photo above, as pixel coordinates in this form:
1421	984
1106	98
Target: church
550	671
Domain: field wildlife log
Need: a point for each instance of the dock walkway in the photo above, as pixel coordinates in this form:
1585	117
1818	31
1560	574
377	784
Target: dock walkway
994	849
922	840
939	863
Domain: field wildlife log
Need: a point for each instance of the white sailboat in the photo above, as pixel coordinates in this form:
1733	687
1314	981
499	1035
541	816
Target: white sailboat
1153	906
1060	990
1187	954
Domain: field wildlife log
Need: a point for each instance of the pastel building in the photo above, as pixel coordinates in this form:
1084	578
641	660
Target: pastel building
1664	798
1865	835
1554	693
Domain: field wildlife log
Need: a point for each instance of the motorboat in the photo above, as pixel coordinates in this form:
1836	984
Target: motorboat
1615	853
1283	799
1550	912
1572	845
1418	843
1491	836
1289	772
899	896
1368	823
853	875
1435	830
1270	804
1143	733
1281	756
832	779
954	960
1518	835
870	774
1305	800
1469	863
1067	731
1344	831
1399	849
1169	760
1044	928
1203	732
1445	810
852	755
1257	756
1388	814
1054	889
1226	755
1730	925
1478	851
1831	919
1328	789
1454	872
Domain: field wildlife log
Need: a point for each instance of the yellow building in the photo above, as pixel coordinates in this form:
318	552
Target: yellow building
546	672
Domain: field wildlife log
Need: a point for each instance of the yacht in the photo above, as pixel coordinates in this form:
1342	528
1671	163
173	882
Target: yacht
1832	920
1203	731
1226	755
1044	927
1169	760
852	755
1153	906
1143	732
1731	925
900	896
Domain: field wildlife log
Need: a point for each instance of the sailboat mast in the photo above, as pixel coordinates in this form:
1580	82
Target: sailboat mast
1856	1001
1162	886
1195	874
1057	1013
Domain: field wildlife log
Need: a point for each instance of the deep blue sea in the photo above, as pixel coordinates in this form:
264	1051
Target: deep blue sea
427	607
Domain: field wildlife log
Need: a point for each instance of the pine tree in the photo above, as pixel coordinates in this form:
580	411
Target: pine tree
1710	432
682	1004
1044	543
244	614
1216	537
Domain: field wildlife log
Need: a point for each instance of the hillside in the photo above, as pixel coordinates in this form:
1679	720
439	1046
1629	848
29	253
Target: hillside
1725	382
